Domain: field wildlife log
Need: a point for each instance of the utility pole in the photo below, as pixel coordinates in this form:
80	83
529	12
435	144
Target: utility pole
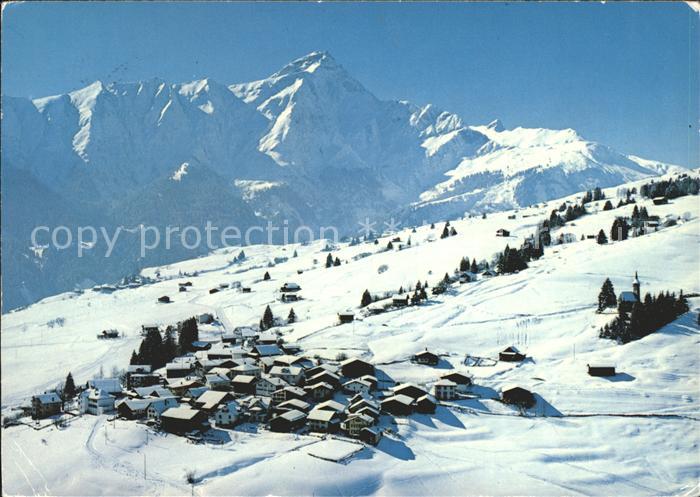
144	465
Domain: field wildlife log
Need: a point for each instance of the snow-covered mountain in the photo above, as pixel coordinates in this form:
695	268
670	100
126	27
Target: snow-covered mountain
309	144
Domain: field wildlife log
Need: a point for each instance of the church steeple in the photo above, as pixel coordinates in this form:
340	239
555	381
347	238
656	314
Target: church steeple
636	287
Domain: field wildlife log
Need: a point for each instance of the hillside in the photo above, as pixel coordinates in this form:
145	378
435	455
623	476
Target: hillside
586	435
328	151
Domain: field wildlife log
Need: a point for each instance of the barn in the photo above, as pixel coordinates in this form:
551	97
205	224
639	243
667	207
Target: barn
511	394
354	367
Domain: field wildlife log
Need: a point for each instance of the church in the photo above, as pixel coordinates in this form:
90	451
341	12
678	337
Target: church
628	299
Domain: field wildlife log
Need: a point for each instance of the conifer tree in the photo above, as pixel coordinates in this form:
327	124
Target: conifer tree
69	389
366	299
601	238
337	261
606	297
292	317
608	206
453	231
187	332
134	358
474	267
445	232
169	347
390	245
464	264
266	276
268	320
329	260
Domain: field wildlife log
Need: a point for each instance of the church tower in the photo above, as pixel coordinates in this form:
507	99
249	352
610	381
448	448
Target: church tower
635	287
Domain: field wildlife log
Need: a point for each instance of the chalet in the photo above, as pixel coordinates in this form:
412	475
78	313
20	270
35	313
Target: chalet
110	385
370	436
357	385
400	405
400	301
425	357
164	299
311	372
409	389
324	377
158	406
293	360
354	367
205	318
291	374
511	354
358	403
210	400
319	391
45	405
247	369
517	396
267	385
288	393
255	408
628	299
288	421
331	405
463	381
370	411
323	421
183	419
290	297
149	328
133	408
150	391
97	402
467	277
291	404
180	369
181	385
290	287
426	404
243	383
601	370
267	338
445	389
108	334
227	414
502	232
199	345
291	348
659	200
266	350
354	424
346	317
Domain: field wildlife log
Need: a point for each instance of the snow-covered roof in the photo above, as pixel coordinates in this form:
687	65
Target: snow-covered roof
296	404
331	404
628	297
48	398
285	370
268	350
180	412
321	415
243	378
110	385
445	383
403	399
98	394
292	415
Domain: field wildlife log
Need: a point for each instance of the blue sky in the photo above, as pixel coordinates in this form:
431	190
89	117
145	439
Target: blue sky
626	75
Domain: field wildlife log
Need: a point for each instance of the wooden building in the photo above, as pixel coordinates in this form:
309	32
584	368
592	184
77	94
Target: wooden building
598	370
517	396
355	367
511	354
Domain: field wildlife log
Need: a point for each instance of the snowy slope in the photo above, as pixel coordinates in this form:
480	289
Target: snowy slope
634	436
329	151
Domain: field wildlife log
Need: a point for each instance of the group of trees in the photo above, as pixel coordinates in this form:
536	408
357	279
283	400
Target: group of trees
511	260
330	262
571	212
448	230
592	196
157	350
465	266
646	317
671	188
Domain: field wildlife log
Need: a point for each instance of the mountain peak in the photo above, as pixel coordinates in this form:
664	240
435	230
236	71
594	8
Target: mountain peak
496	125
310	63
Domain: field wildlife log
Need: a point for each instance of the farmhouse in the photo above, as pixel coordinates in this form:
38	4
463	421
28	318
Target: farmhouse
445	389
289	405
183	419
426	357
45	405
218	381
182	385
159	406
227	414
291	374
133	408
323	377
290	287
354	367
288	421
266	350
179	369
256	408
400	301
354	424
601	370
319	391
357	385
409	389
268	385
288	393
247	369
400	405
331	405
346	317
463	381
243	383
426	404
370	436
511	354
502	232
515	395
323	421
